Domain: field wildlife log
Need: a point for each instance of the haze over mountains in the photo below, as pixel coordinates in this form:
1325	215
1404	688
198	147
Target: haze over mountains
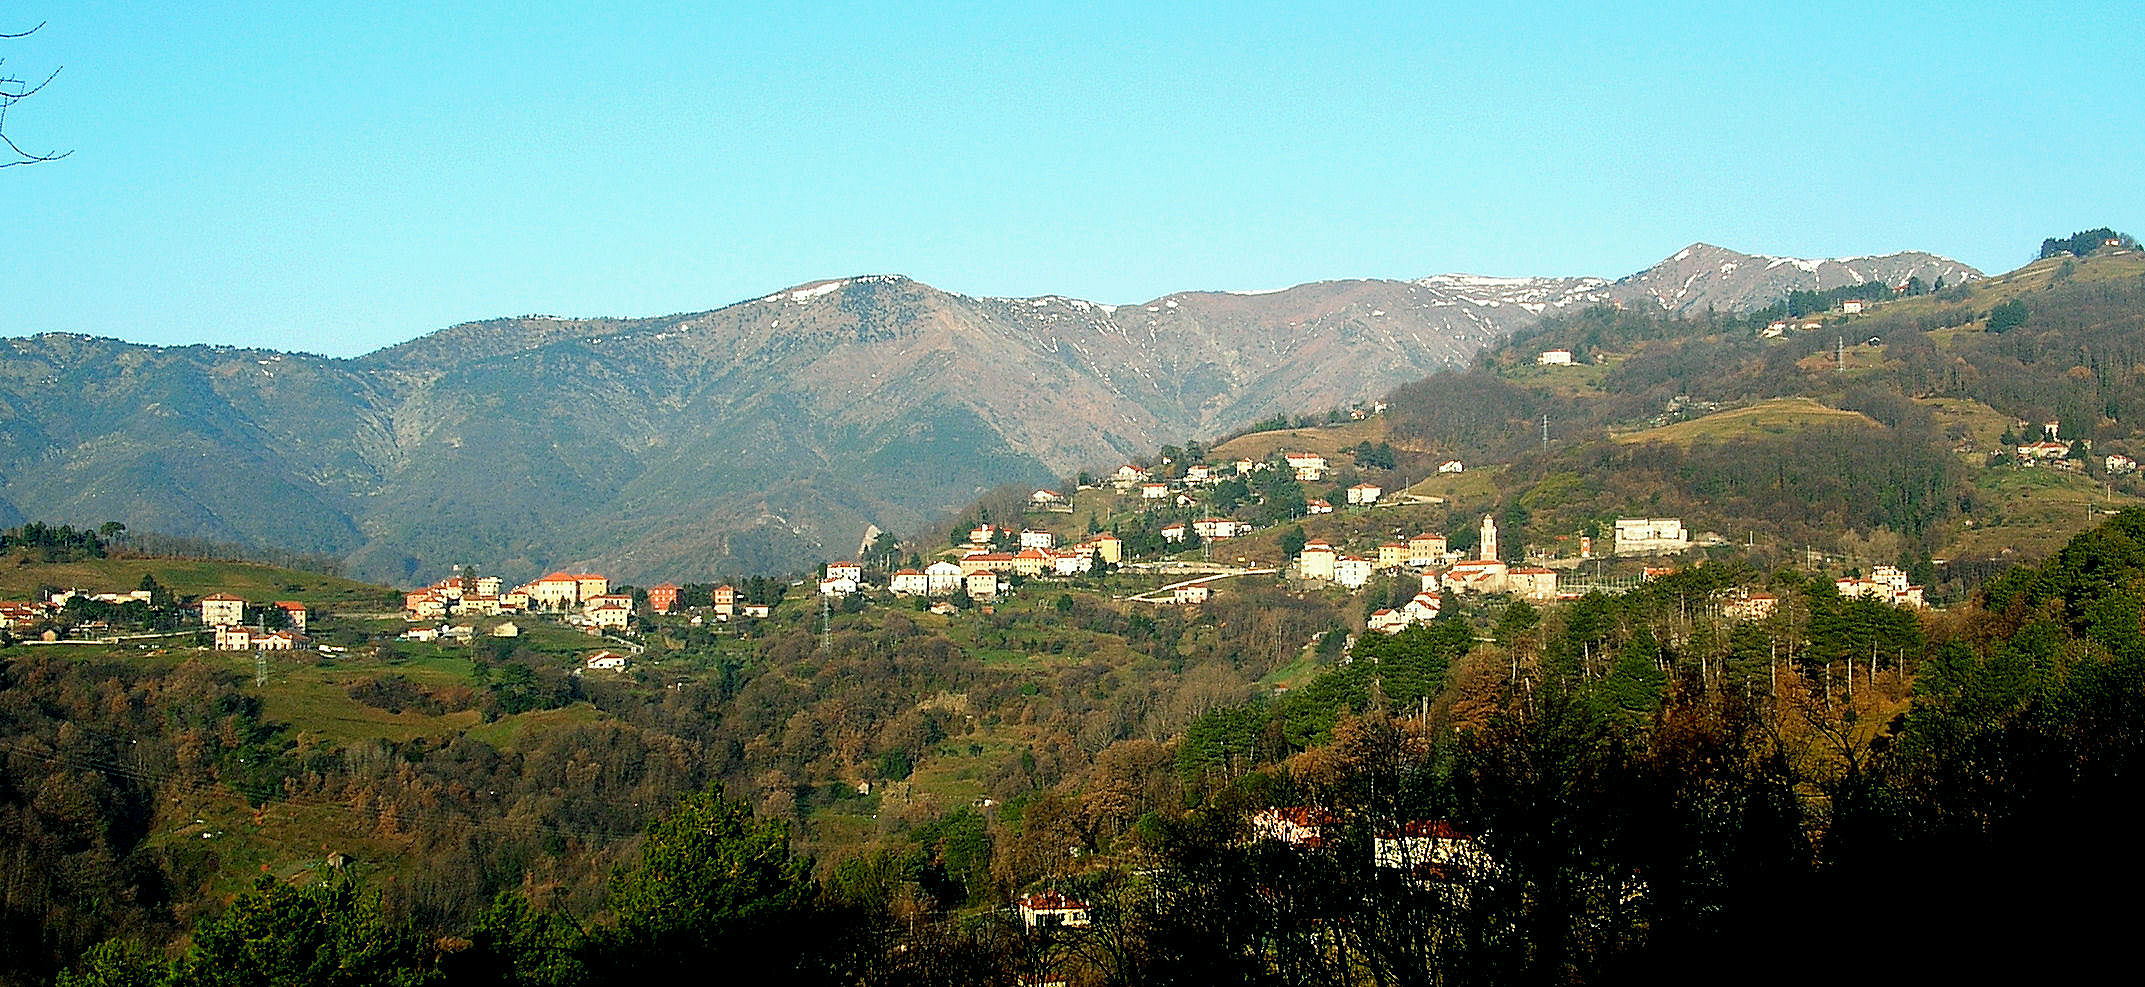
755	437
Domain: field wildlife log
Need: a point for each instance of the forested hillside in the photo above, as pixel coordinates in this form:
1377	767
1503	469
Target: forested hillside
1642	784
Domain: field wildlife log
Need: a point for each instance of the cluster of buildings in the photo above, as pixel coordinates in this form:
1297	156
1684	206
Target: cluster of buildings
1426	553
1886	584
585	597
981	572
1432	849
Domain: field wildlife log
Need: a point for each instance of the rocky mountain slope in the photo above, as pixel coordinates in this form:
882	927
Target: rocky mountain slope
1702	275
758	436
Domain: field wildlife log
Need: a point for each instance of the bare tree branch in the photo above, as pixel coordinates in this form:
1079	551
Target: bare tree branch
14	90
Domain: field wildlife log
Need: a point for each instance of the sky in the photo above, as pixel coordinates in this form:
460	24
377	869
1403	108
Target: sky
334	178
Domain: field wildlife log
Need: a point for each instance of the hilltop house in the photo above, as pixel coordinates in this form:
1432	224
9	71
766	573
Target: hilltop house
1310	467
1365	493
725	601
1154	491
664	598
1452	466
1194	593
1317	507
1554	358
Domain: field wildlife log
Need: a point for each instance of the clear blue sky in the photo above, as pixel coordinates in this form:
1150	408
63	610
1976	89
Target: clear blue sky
335	177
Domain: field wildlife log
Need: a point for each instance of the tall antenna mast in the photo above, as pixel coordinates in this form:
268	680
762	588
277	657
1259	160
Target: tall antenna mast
1545	430
1839	349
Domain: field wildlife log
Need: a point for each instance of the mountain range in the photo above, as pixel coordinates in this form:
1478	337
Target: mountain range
755	437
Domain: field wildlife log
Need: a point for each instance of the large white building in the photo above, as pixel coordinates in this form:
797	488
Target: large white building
1651	535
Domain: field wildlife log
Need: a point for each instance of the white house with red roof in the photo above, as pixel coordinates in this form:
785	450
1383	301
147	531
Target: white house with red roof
1049	908
909	582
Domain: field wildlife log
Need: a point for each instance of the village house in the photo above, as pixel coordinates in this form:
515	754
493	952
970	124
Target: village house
1532	583
1385	620
488	585
1109	548
1885	583
1354	571
1750	606
1316	560
1856	306
222	610
1553	358
421	634
423	604
1432	846
1032	562
1174	531
1310	467
1154	491
724	600
1477	576
975	562
1452	466
1033	538
610	615
664	598
2044	450
1201	473
1424	608
851	571
589	584
756	610
608	600
507	629
1317	507
606	661
481	605
293	614
982	584
837	586
1128	476
1194	593
942	578
944	608
2118	464
1045	498
1426	550
1044	909
1220	527
1299	826
1651	536
248	639
556	591
17	615
1071	563
909	582
982	534
1392	555
1243	466
1365	493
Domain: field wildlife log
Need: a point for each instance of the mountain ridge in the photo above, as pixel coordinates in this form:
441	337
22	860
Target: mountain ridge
755	436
